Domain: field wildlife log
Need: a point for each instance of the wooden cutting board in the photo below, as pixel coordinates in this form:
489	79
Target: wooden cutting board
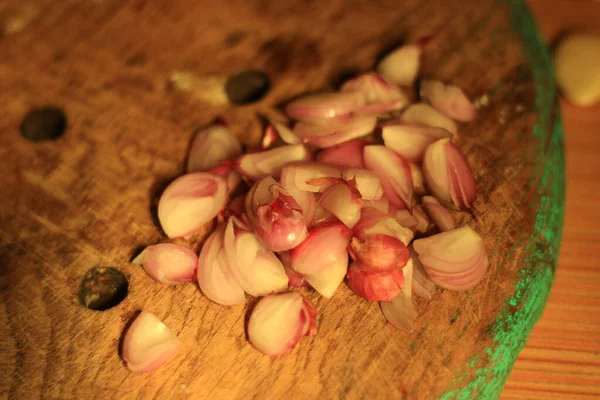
133	78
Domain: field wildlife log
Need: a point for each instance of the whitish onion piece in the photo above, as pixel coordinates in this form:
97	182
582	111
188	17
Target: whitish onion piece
418	180
256	269
346	155
377	252
454	260
406	219
275	215
310	176
448	175
324	106
424	114
366	182
168	263
279	321
375	286
439	214
380	94
324	245
343	201
213	272
211	146
422	285
401	312
394	173
450	100
374	221
191	201
401	66
329	279
270	162
334	132
411	141
148	343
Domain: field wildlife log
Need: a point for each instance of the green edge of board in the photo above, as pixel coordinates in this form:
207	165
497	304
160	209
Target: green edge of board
511	328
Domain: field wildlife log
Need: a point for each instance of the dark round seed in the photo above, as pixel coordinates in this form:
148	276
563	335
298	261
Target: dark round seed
247	86
41	124
103	288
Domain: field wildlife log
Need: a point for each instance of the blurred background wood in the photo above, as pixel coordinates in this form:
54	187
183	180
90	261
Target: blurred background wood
562	357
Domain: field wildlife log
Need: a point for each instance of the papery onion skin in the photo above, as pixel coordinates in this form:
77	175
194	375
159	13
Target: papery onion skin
375	286
168	263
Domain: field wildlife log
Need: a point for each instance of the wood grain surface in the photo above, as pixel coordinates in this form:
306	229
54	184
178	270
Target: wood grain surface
562	357
131	76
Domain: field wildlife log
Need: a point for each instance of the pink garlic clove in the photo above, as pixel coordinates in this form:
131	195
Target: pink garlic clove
168	263
335	132
149	344
270	162
439	214
411	141
375	286
424	114
450	100
401	66
329	279
380	94
211	146
342	201
400	311
377	252
348	154
394	173
324	106
418	180
366	182
448	175
324	245
191	201
213	272
309	176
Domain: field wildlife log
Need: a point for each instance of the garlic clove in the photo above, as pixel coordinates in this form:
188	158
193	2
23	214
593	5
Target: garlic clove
149	343
270	162
168	263
309	176
335	132
439	214
450	100
279	321
411	141
380	94
394	173
324	106
366	182
324	245
211	146
424	114
330	278
342	201
191	201
375	286
348	154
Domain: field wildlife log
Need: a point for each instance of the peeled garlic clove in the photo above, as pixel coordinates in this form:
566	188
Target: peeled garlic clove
309	176
211	146
400	311
411	141
149	343
366	182
270	162
448	175
394	173
347	154
191	201
424	114
448	99
279	321
375	286
324	106
576	62
334	132
324	245
418	180
378	252
168	263
401	66
380	94
329	279
213	277
439	214
342	201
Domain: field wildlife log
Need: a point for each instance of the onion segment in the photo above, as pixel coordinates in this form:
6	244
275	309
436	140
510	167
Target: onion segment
375	286
418	180
335	132
270	162
324	106
342	201
211	146
168	263
411	141
394	173
424	114
378	252
346	155
324	245
450	100
310	176
380	94
439	214
329	279
366	182
400	311
374	221
422	285
401	66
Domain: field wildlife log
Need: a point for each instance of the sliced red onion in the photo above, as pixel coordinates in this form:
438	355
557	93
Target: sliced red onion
329	279
411	141
424	114
149	344
381	95
191	201
279	321
342	201
449	100
324	245
257	270
373	221
418	180
394	173
448	175
367	182
334	132
401	312
454	260
310	176
375	286
324	106
406	219
377	252
270	162
439	214
213	272
422	285
401	66
346	155
168	263
211	146
275	215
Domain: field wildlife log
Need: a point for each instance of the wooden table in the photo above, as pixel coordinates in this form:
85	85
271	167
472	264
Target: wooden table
562	357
